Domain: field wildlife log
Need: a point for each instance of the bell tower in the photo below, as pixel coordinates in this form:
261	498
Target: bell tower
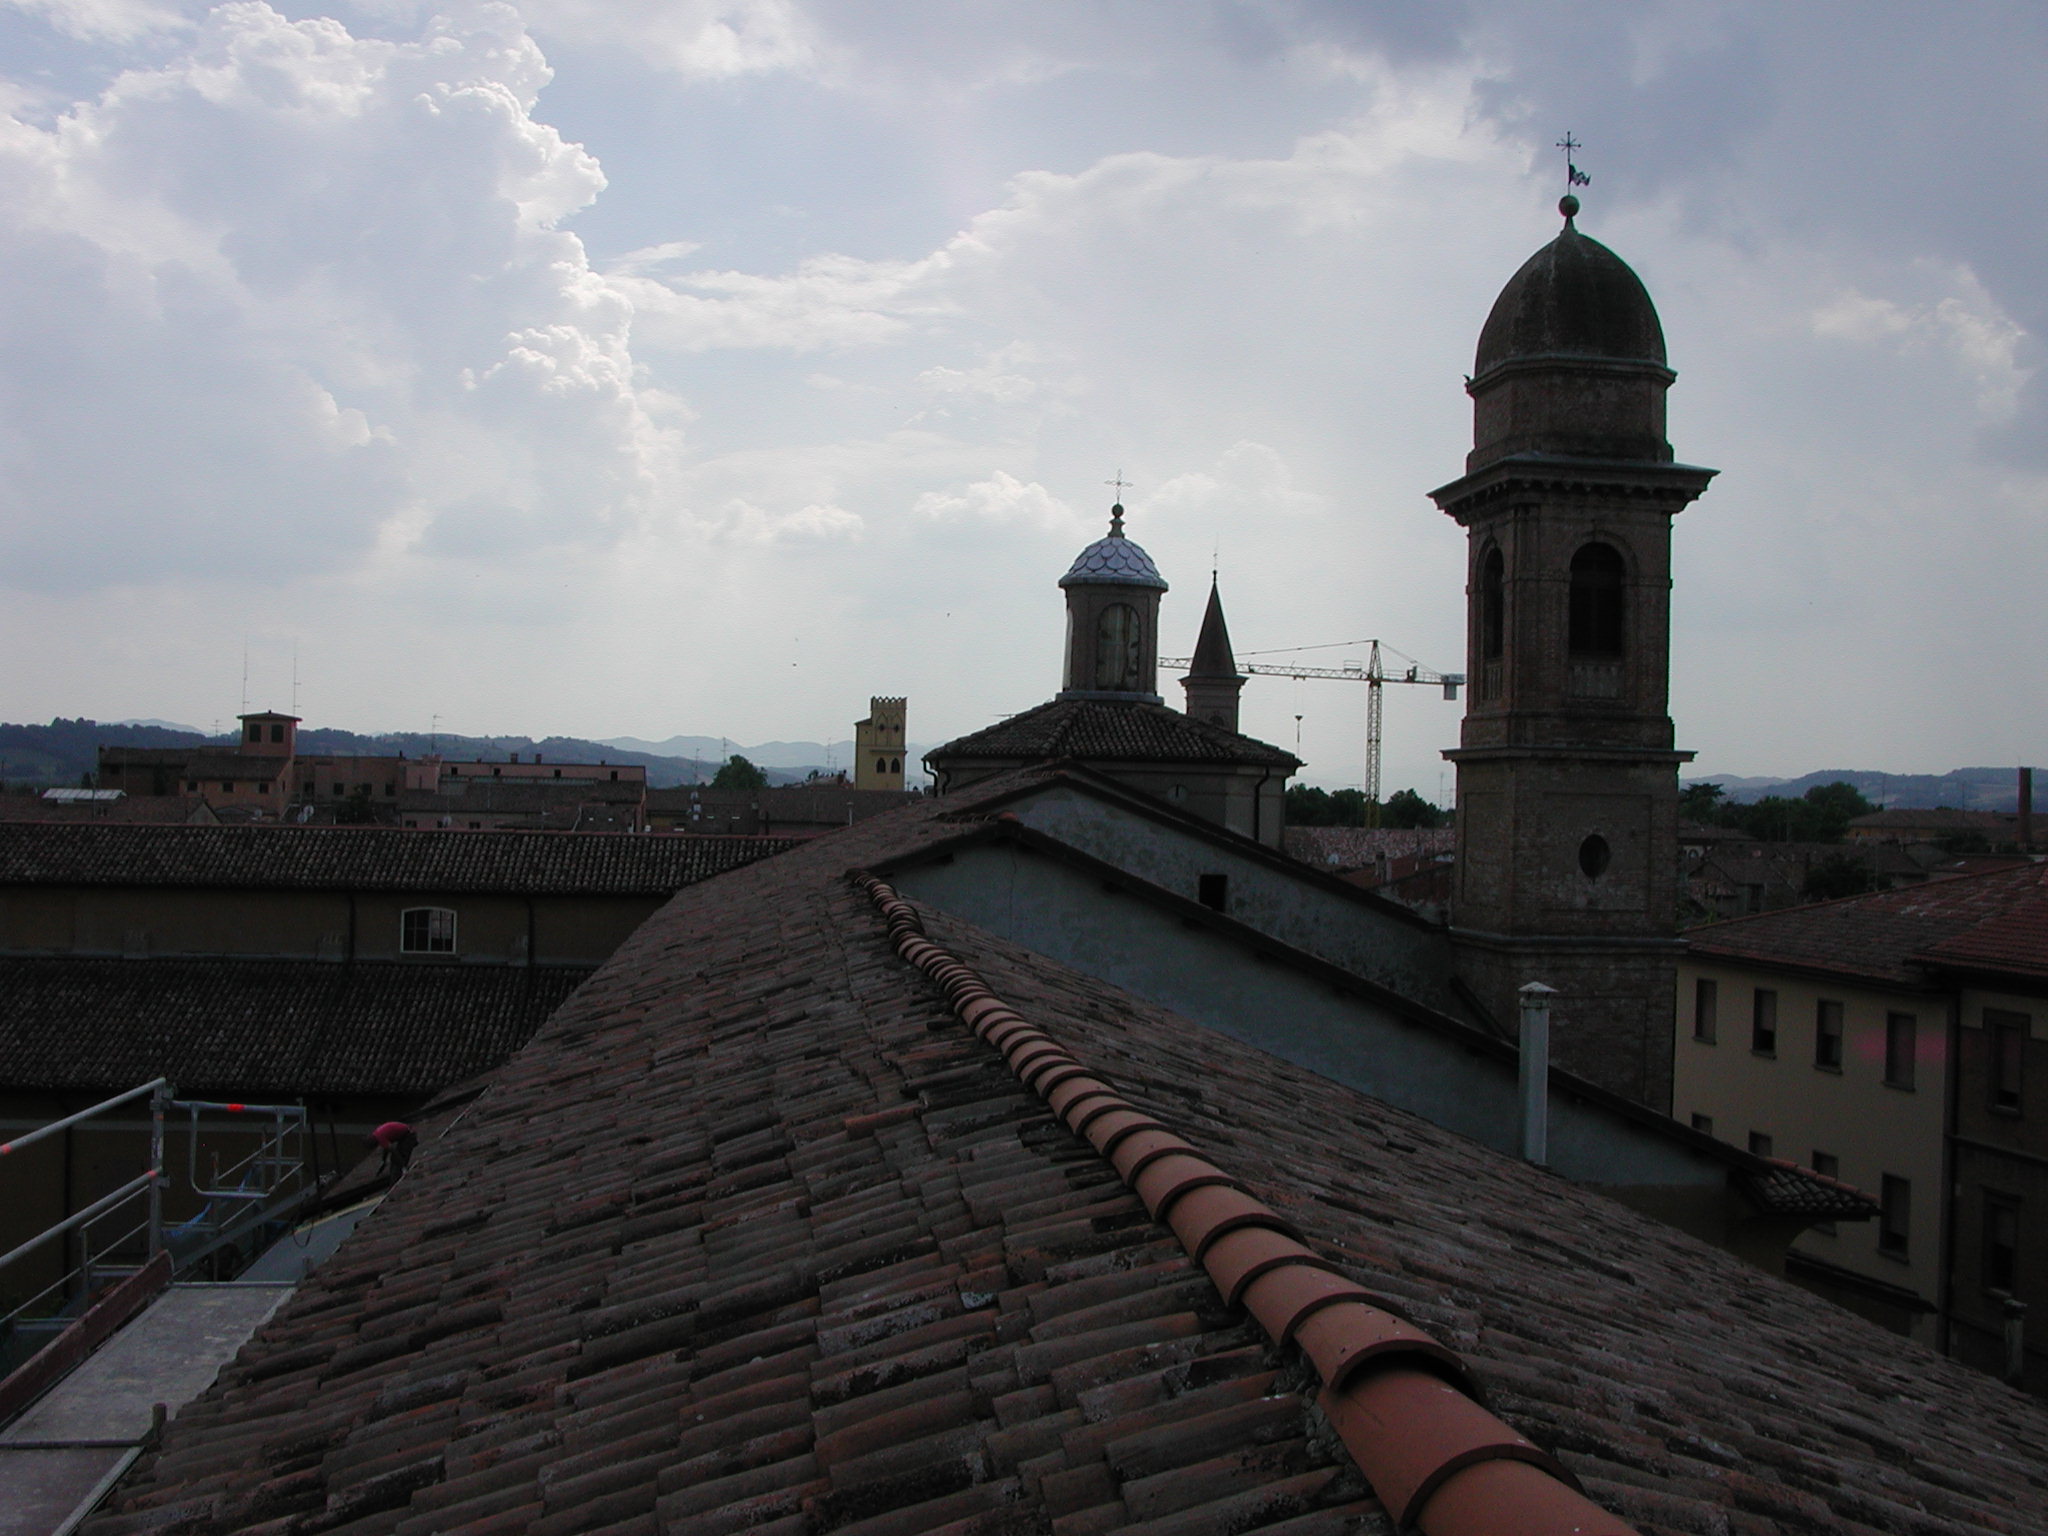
1113	591
1567	775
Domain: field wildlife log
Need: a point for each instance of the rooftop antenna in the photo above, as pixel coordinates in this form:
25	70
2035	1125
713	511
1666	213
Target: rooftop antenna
245	674
295	677
434	735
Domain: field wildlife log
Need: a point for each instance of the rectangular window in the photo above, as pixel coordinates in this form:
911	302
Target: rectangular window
1704	1124
1828	1166
1895	1216
339	791
255	731
277	733
1760	1144
1763	1023
1213	891
2001	1241
1901	1039
1827	1035
1706	1004
426	931
227	786
2008	1032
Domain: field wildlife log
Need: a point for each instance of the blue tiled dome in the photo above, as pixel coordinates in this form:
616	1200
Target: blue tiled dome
1114	561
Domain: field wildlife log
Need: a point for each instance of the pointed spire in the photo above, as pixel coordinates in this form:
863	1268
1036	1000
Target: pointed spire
1213	657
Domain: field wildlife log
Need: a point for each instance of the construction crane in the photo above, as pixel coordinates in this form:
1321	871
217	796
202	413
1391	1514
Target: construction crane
1371	672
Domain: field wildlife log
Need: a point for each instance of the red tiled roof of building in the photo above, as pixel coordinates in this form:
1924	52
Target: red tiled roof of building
1103	730
369	858
265	1027
756	1234
1994	920
128	810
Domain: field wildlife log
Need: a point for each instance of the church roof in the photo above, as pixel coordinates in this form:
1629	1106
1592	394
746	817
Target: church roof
1114	561
1574	297
1110	730
1213	658
781	1224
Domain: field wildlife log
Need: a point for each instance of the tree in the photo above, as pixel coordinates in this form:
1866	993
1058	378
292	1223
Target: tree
1703	802
1406	808
1839	874
356	810
737	773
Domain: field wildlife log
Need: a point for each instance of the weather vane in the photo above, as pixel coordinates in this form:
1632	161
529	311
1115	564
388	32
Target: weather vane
1573	176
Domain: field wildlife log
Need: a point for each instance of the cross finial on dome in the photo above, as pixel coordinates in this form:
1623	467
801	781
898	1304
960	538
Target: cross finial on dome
1116	512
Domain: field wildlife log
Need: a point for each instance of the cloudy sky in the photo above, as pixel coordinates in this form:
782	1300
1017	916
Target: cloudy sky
635	367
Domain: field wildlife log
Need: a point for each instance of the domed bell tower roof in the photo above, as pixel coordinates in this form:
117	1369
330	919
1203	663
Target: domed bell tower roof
1574	297
1114	561
1571	359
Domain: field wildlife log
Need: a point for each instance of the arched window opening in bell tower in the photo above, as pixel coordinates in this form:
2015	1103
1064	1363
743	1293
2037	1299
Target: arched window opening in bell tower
1598	602
1492	604
1492	621
1117	644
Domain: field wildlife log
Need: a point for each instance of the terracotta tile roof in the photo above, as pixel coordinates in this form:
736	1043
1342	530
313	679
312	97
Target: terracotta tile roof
1111	731
1997	920
161	810
757	1235
502	797
1354	847
265	1026
369	858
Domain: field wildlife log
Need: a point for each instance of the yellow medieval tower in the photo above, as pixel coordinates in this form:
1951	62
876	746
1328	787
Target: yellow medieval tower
878	746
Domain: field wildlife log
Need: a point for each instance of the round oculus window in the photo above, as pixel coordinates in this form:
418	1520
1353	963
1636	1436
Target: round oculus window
1595	856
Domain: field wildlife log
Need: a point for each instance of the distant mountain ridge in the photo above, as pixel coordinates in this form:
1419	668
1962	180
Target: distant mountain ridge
1962	789
63	751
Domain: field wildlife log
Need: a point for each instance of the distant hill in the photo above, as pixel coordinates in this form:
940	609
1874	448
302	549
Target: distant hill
1962	789
63	751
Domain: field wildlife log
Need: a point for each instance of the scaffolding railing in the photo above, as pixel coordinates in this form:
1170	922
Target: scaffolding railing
235	1200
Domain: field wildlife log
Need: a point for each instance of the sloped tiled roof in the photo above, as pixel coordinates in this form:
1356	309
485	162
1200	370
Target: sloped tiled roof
1102	730
1997	920
370	858
757	1234
256	1027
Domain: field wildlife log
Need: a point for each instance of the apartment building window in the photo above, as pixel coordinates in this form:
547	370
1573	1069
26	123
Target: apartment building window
1827	1165
1827	1035
339	791
2008	1032
426	931
1901	1038
277	733
1763	1022
1213	891
2001	1241
255	731
1706	1004
1894	1216
1704	1124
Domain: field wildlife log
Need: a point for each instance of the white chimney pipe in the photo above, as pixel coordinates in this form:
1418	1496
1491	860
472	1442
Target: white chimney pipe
1535	1072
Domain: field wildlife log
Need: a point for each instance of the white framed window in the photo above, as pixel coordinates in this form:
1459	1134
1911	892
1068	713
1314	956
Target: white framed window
426	931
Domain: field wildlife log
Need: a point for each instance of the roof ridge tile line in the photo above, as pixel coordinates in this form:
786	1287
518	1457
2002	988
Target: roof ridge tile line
1413	1431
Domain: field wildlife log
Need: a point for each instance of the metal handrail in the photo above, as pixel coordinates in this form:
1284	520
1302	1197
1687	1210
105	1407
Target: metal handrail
70	1120
98	1208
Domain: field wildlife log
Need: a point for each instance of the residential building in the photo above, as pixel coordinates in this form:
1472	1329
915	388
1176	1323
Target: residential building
1996	829
1894	1040
359	970
878	746
265	777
